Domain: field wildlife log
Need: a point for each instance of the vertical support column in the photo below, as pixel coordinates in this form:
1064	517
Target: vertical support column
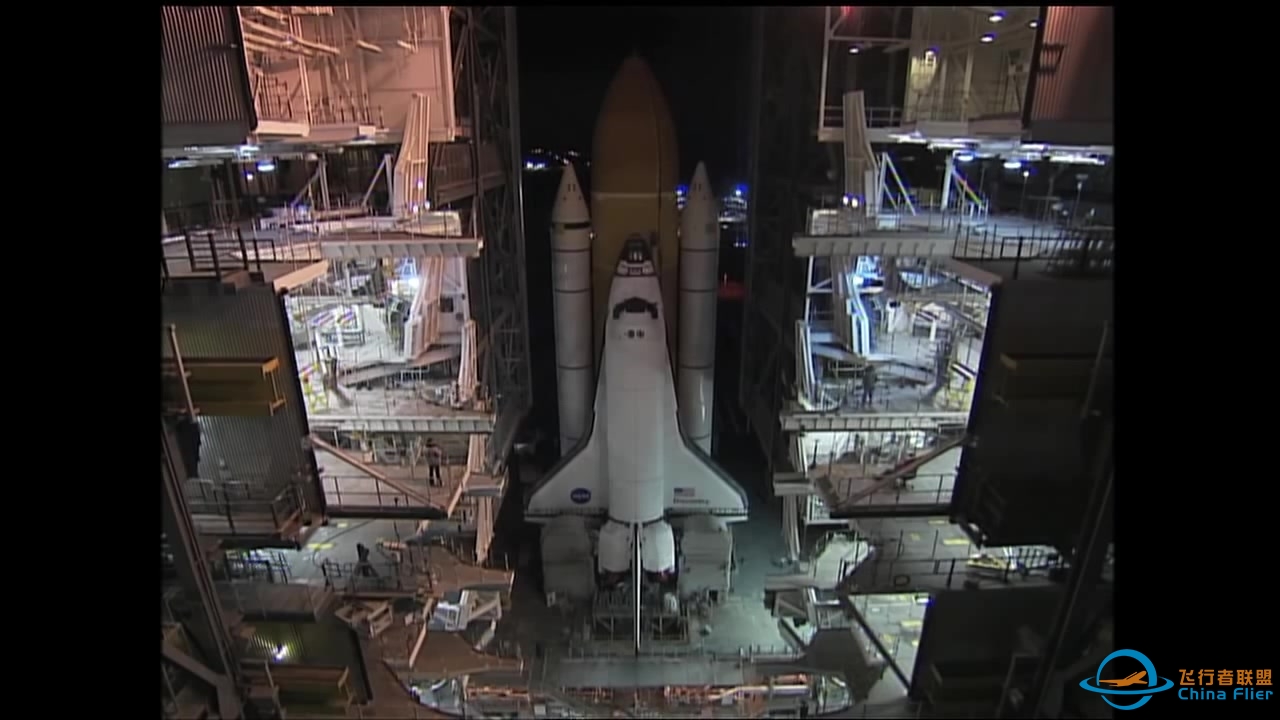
946	181
874	188
637	575
1086	571
827	33
968	84
323	173
791	527
205	623
938	99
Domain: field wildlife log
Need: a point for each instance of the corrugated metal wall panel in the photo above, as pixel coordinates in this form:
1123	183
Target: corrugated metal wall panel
1075	72
264	451
204	79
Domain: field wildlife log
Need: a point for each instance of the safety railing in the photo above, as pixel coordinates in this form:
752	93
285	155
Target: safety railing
876	117
996	100
846	396
380	575
271	97
846	493
1062	249
925	106
346	111
278	598
366	492
452	167
425	400
244	504
847	221
907	562
308	224
744	654
226	250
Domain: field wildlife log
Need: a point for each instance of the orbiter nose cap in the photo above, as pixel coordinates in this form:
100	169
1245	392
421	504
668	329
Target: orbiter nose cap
700	183
571	206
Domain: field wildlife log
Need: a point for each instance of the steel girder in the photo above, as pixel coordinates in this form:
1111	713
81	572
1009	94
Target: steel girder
787	166
486	76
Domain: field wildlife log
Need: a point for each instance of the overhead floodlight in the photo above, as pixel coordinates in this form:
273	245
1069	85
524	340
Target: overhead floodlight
854	50
1012	164
1026	174
964	158
987	38
1033	24
995	17
931	53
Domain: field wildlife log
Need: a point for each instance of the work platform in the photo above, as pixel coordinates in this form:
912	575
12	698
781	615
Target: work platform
932	234
353	487
850	489
797	419
890	555
399	412
348	239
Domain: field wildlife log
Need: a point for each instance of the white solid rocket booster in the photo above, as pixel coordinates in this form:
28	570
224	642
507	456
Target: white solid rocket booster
571	287
699	259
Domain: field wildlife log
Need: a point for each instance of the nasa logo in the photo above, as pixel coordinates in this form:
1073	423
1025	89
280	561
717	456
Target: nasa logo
581	496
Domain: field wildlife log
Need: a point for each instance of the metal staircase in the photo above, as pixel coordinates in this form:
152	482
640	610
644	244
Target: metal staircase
422	329
410	193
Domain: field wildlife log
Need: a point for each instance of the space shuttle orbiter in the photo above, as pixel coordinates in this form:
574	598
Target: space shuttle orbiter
636	466
635	292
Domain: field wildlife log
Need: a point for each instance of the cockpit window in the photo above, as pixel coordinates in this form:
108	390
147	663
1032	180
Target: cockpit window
636	250
635	305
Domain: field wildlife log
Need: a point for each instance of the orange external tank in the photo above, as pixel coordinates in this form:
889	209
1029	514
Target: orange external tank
633	188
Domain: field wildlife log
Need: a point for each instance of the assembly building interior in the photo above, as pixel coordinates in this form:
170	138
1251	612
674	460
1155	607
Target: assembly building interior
354	524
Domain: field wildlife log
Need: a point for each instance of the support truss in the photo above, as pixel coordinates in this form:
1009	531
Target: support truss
787	168
487	79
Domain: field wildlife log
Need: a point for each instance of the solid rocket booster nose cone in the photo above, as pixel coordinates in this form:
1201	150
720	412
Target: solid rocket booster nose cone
700	182
571	205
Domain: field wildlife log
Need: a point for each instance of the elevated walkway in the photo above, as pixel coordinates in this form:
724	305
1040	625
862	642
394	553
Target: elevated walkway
367	487
276	601
398	412
248	513
357	488
936	234
795	418
920	486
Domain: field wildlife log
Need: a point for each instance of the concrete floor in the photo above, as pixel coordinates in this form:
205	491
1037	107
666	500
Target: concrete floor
897	620
912	555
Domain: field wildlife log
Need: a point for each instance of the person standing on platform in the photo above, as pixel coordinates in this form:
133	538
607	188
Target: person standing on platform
435	458
868	385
